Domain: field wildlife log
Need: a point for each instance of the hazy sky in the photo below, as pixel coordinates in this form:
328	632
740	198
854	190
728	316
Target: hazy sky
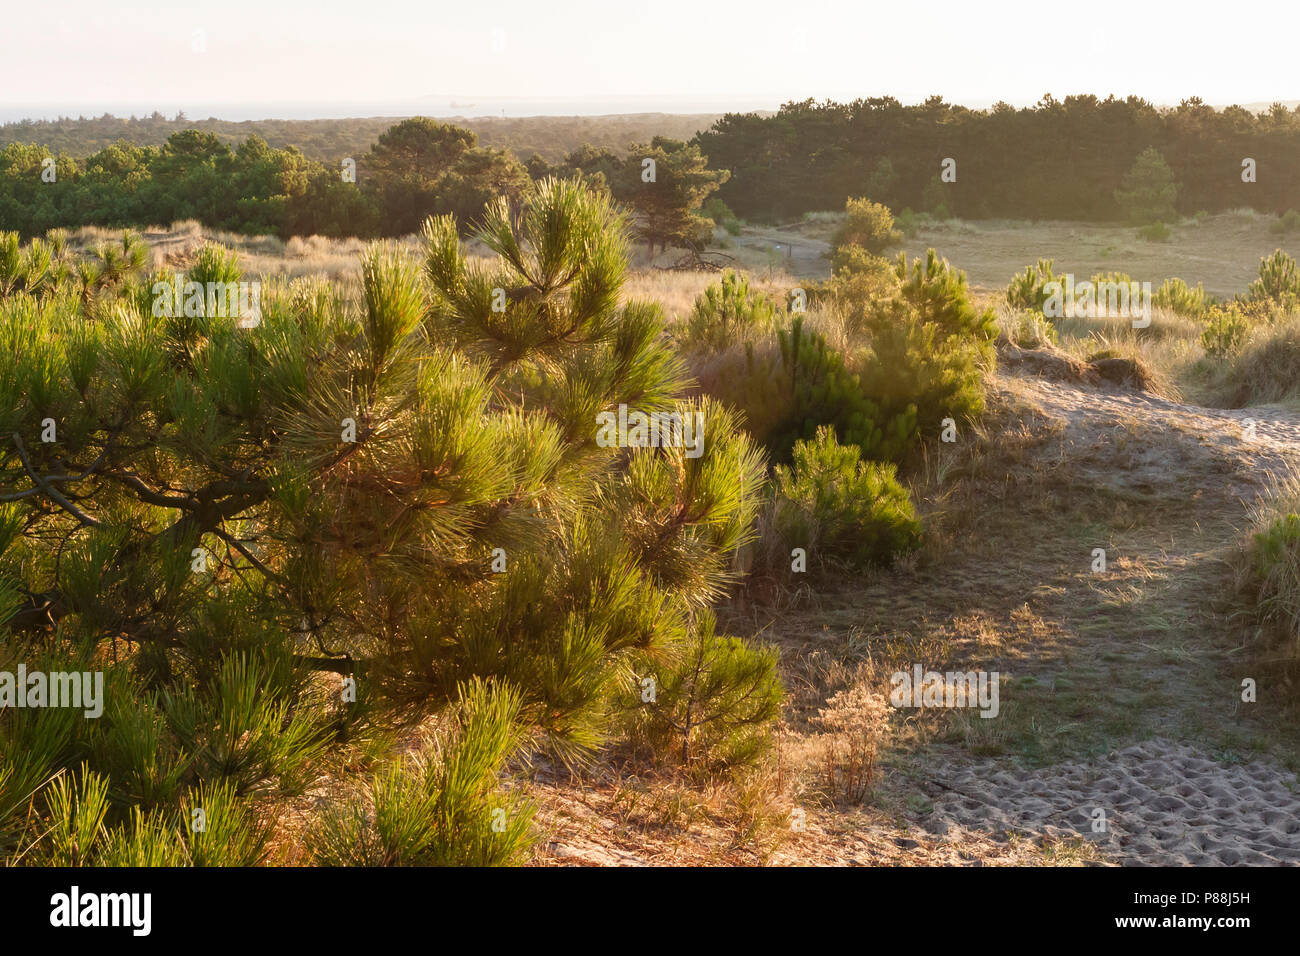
347	58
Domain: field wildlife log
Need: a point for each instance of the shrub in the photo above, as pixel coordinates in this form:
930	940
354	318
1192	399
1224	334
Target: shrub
867	224
786	388
721	214
855	511
917	369
1289	222
1026	290
234	521
852	260
445	806
1178	297
823	391
942	297
925	359
1264	370
714	705
855	719
910	223
1154	232
728	312
1225	331
1278	285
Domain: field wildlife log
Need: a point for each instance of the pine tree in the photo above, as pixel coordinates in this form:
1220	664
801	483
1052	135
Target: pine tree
1147	193
399	484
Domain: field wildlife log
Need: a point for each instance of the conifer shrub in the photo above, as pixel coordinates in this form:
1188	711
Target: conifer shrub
1226	330
279	542
1178	297
925	350
942	297
712	705
785	389
726	312
1026	290
444	805
1278	283
842	510
859	281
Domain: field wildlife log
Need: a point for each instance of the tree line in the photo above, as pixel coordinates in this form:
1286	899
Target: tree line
417	168
1080	158
1059	159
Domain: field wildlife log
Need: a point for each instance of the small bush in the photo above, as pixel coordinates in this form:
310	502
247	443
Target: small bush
1289	222
855	511
855	720
1180	298
942	297
1225	331
824	391
852	260
1265	369
715	704
1155	232
910	222
867	224
721	214
445	807
1278	285
1026	290
728	312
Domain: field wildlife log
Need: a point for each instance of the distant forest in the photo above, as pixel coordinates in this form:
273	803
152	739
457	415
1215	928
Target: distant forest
1076	158
1059	159
332	140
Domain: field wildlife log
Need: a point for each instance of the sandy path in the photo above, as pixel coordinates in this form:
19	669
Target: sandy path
1163	802
1160	803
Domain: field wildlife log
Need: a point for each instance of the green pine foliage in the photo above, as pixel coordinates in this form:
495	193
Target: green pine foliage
1178	297
1278	284
1147	193
728	312
443	805
842	510
711	706
1027	289
1226	330
381	504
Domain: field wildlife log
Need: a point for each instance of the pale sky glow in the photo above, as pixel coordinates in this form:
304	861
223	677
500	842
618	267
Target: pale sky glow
372	56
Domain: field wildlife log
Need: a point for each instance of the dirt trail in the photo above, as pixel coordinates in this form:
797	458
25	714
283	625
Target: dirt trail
1155	801
797	254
